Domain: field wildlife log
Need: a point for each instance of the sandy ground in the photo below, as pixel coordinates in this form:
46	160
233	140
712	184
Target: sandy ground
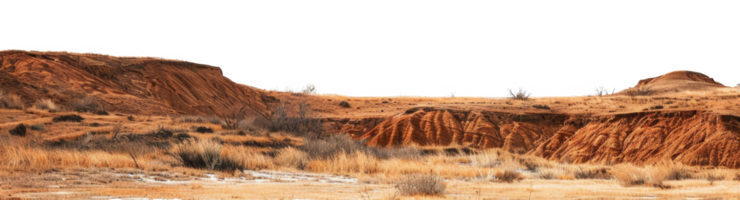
138	184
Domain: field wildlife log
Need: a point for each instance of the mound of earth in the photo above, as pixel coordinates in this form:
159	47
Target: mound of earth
677	81
123	84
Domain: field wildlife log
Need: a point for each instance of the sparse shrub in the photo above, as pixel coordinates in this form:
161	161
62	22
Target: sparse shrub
421	184
712	177
678	172
344	104
162	132
37	127
452	93
68	118
10	101
640	91
101	112
87	104
629	175
183	136
600	90
301	125
291	157
544	107
130	118
508	176
203	129
520	95
334	144
205	154
19	130
592	174
45	104
309	89
547	175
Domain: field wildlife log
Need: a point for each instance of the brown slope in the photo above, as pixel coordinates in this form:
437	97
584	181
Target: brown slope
689	137
678	81
130	85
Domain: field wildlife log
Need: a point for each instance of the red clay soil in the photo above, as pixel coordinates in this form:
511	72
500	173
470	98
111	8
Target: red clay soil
128	85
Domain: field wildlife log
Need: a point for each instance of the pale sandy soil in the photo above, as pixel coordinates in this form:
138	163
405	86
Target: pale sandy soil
138	184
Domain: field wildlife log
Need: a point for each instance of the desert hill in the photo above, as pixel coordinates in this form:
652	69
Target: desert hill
677	81
121	84
685	116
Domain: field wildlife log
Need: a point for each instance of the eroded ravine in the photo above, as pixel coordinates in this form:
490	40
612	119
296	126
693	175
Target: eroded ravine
689	137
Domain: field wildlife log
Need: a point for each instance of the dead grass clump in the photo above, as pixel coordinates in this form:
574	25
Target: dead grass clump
519	95
19	130
677	172
713	176
345	163
592	174
509	176
205	154
640	91
68	118
629	175
38	127
326	147
291	157
87	104
45	104
199	119
301	124
203	129
10	101
421	184
547	174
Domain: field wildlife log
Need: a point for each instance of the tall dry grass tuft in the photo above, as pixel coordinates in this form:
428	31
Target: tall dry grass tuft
292	158
87	104
46	104
675	171
10	101
422	184
629	175
206	154
345	163
335	144
24	154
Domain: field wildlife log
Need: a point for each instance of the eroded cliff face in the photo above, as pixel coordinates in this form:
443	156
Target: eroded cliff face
481	129
689	137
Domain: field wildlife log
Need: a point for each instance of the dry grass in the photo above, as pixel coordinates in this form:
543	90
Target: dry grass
629	175
206	154
22	154
46	104
10	101
422	184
